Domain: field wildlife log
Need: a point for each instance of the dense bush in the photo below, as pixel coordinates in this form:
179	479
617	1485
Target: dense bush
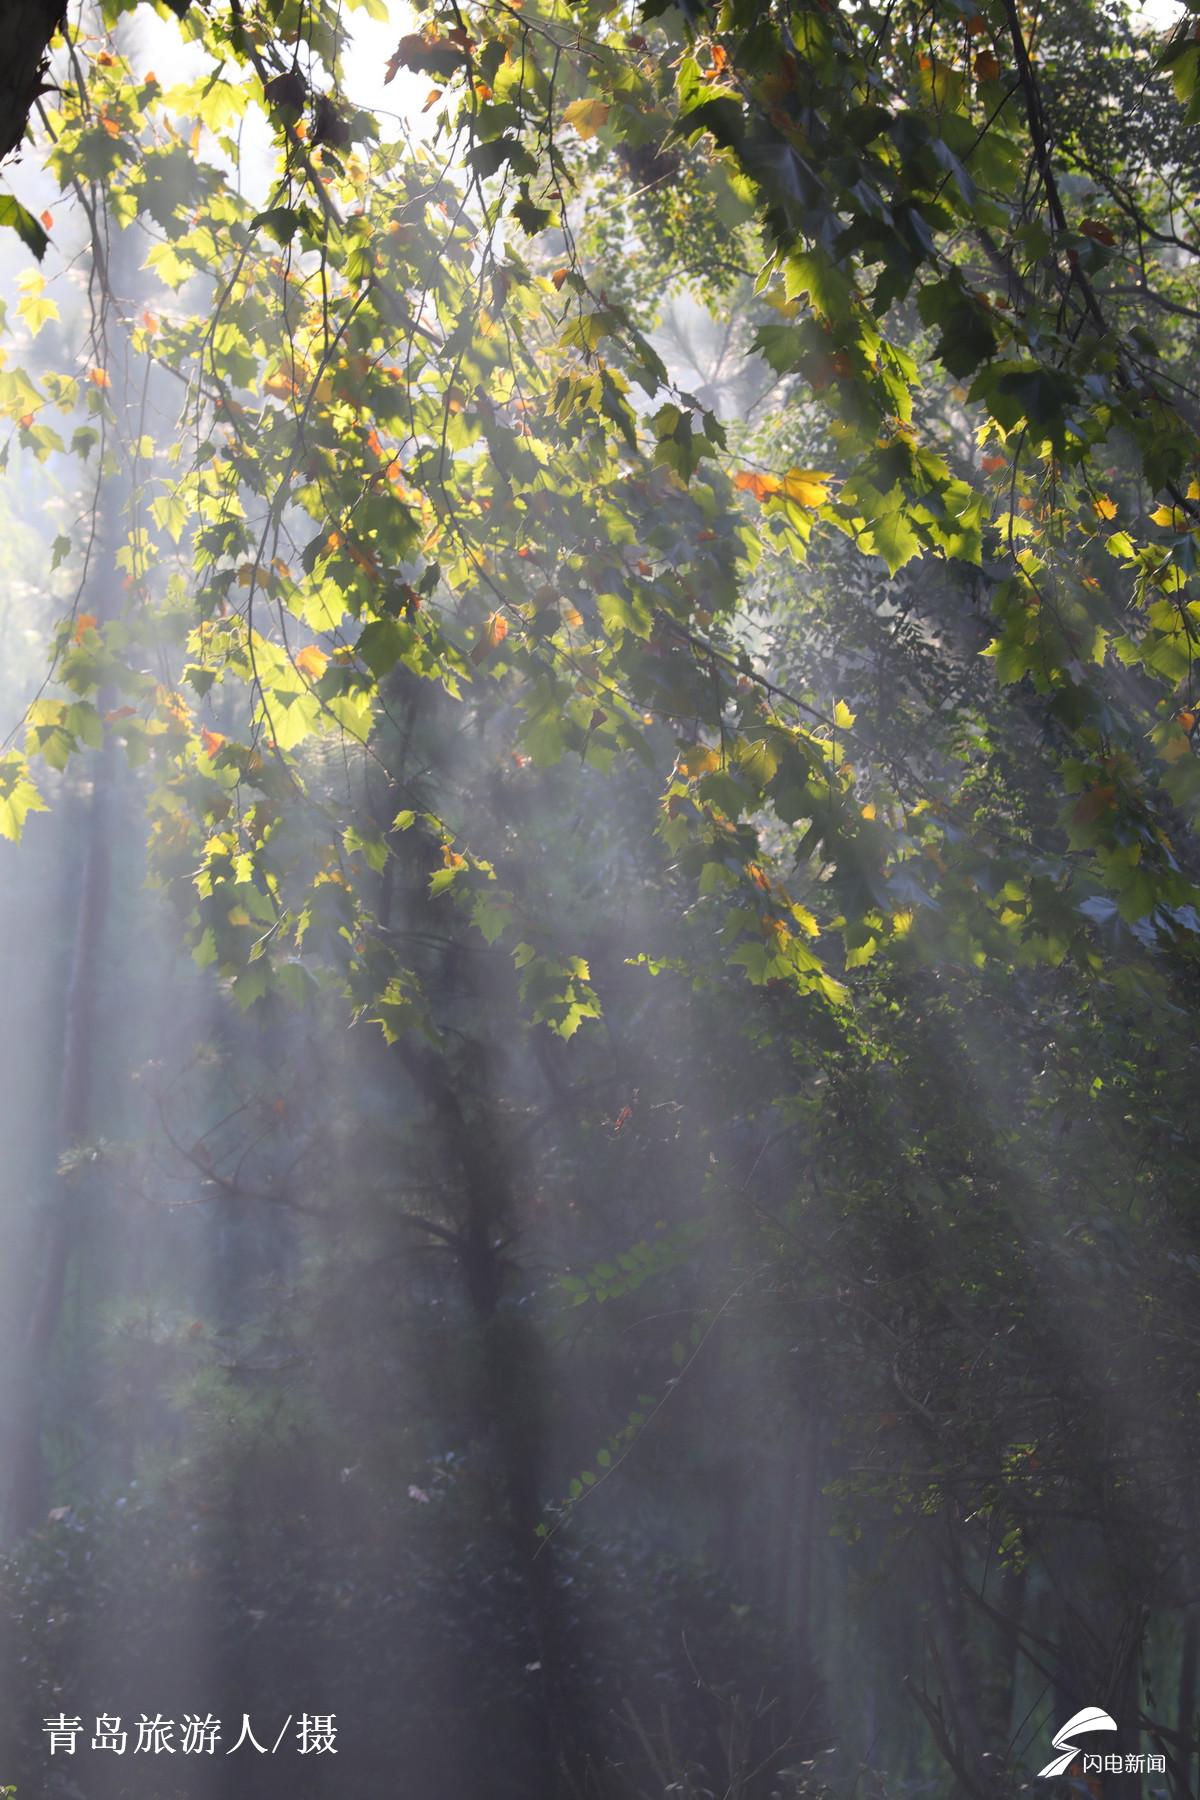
424	1655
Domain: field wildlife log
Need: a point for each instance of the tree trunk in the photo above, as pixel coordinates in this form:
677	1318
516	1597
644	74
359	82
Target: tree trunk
512	1395
1185	1722
26	1496
26	27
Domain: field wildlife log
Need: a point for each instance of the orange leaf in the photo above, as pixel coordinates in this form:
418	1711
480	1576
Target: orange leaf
212	741
311	661
803	487
100	378
47	218
763	487
1099	234
559	276
1104	508
986	66
494	634
84	622
1089	806
364	559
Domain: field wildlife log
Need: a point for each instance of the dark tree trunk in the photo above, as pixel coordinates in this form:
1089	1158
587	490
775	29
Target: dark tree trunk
26	27
512	1391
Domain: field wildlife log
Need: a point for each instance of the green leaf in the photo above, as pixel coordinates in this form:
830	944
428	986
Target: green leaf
17	218
279	222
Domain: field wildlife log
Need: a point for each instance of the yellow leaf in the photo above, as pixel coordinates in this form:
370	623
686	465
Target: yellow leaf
587	116
842	716
1104	508
34	307
701	759
805	919
806	487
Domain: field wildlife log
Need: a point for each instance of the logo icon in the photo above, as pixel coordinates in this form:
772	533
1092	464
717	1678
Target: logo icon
1090	1719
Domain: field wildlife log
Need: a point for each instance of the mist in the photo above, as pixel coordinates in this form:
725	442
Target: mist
598	905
